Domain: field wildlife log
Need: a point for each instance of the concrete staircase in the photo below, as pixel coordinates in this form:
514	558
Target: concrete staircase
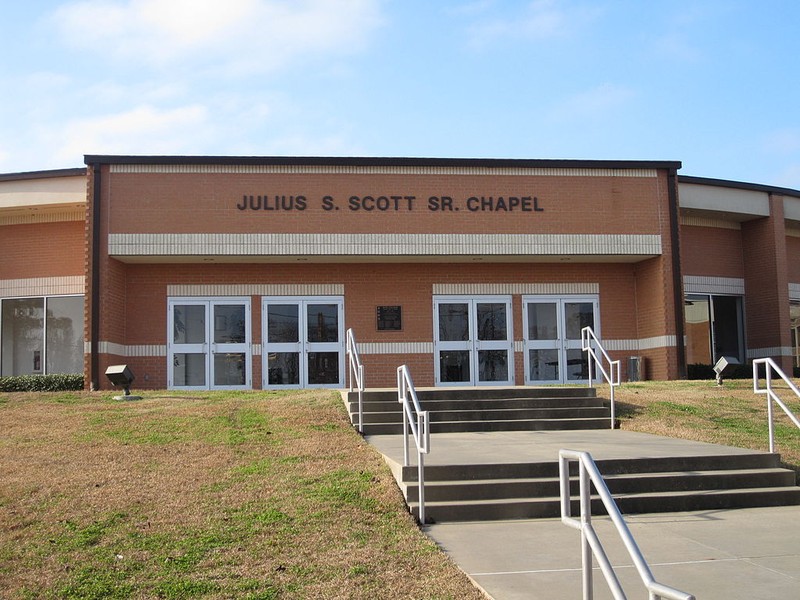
486	409
639	485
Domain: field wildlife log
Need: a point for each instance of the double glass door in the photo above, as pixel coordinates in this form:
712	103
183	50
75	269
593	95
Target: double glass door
303	342
473	342
553	337
209	344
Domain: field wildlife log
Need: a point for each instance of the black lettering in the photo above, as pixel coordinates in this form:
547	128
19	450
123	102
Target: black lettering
433	203
301	202
525	204
327	203
354	203
256	205
410	200
243	205
536	205
501	204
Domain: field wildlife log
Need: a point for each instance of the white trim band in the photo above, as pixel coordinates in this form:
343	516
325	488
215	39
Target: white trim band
754	353
494	289
355	244
794	291
222	290
42	286
693	284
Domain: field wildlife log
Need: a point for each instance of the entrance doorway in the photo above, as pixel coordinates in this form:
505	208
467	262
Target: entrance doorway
303	342
473	343
209	344
552	328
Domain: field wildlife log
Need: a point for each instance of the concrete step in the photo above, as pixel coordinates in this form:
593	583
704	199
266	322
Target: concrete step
493	404
478	393
499	425
547	507
633	483
502	414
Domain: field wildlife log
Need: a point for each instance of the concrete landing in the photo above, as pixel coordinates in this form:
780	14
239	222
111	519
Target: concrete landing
751	553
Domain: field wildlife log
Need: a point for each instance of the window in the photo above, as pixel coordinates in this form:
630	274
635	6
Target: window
713	328
794	319
41	335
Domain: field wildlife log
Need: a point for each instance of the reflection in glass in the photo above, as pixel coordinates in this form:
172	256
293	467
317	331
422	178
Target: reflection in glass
23	336
577	365
283	323
323	368
542	321
323	322
454	366
543	365
64	328
189	370
189	324
492	321
453	322
229	324
283	368
794	320
493	365
577	315
698	330
229	368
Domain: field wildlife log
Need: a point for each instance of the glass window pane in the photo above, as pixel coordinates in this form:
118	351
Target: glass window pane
229	368
794	319
65	335
727	327
578	315
543	365
189	370
454	366
283	368
453	322
189	323
577	365
22	336
229	325
698	330
492	323
283	323
493	365
323	322
542	321
323	368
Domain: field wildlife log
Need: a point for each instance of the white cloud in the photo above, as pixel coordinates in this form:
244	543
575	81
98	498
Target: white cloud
594	103
541	20
141	130
238	35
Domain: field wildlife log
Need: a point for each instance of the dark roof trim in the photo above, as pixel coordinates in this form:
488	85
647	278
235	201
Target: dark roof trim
381	161
756	187
78	172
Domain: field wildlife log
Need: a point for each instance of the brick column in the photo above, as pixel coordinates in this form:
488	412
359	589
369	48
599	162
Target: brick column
767	285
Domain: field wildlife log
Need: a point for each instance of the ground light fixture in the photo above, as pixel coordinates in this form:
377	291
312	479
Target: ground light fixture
721	365
122	376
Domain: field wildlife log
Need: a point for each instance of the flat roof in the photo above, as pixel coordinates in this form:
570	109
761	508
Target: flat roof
91	159
77	172
741	185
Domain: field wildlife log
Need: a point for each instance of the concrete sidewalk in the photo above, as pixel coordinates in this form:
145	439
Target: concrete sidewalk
745	553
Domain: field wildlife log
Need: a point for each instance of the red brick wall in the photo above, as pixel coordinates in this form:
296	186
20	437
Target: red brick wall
41	250
711	251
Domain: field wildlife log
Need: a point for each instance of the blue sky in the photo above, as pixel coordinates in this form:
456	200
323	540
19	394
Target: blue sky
714	84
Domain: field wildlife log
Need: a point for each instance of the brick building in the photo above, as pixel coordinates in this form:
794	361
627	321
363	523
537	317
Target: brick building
245	272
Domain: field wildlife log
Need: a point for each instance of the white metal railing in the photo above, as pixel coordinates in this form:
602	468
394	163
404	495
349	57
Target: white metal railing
612	376
590	542
771	366
356	371
418	421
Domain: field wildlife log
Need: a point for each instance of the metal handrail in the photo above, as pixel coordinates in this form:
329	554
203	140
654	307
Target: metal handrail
418	421
590	542
612	376
771	366
356	371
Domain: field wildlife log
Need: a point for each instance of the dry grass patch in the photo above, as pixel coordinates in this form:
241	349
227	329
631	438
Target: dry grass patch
253	495
730	414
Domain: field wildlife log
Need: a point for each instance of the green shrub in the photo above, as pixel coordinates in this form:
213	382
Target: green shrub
60	382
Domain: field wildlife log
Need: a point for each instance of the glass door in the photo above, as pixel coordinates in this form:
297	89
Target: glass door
473	341
303	342
552	327
209	344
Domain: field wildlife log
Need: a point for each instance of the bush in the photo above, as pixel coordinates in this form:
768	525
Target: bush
700	371
60	382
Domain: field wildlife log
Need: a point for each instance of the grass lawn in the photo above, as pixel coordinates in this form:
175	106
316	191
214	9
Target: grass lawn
730	414
253	495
